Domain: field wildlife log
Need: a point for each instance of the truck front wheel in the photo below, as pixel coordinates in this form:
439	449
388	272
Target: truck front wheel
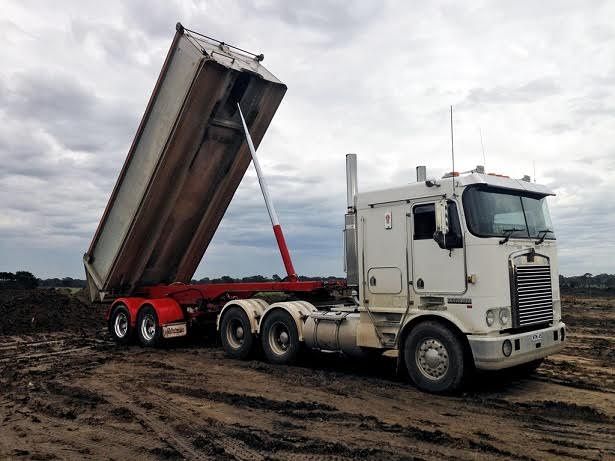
119	325
236	333
434	358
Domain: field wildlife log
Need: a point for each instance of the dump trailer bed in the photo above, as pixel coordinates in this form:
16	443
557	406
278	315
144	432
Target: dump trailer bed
183	168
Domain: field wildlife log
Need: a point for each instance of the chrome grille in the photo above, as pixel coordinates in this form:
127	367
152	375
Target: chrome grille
532	295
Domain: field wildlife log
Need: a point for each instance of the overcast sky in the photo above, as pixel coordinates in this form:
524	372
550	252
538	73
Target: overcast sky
375	78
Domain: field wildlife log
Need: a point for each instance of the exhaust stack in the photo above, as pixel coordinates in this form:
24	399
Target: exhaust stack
421	173
351	182
351	260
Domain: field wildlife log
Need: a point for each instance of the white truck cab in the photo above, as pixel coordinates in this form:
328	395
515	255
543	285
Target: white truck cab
458	269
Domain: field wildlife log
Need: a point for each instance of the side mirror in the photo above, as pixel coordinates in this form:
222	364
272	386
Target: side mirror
441	210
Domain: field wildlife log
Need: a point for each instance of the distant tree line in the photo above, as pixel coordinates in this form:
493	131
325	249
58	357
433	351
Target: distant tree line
576	284
66	282
259	278
19	279
22	279
588	284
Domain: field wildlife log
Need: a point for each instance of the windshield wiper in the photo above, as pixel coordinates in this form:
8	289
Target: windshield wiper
542	238
507	234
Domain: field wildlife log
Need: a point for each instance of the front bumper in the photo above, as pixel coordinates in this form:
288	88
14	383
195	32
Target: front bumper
528	346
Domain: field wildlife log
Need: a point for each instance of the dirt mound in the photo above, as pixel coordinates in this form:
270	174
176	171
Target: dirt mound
46	310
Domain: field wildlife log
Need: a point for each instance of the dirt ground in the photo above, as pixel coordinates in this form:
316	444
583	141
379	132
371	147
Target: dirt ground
75	395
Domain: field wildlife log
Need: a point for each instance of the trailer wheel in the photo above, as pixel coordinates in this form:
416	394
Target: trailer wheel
280	338
434	358
148	329
236	333
119	325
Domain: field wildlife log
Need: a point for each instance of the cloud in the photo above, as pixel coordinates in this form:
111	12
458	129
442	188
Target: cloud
372	78
63	107
527	92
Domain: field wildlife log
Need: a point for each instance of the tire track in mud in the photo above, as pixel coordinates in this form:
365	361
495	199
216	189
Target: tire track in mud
25	351
524	413
314	411
244	442
163	431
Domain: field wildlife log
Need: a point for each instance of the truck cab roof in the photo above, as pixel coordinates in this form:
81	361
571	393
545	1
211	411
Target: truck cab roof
442	186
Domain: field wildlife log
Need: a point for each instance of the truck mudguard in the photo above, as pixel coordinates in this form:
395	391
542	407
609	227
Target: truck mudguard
299	310
253	308
168	310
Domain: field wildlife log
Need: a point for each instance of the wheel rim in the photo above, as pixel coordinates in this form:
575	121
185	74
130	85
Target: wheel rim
432	359
120	325
279	338
235	334
148	327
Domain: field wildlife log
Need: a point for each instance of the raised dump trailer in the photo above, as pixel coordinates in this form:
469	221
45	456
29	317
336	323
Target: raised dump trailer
445	274
185	163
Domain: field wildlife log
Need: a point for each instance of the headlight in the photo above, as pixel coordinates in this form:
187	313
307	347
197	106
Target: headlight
504	316
490	317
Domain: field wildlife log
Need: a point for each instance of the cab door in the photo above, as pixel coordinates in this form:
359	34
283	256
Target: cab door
435	270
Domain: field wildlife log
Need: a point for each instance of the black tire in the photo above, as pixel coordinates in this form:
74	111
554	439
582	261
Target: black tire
280	338
434	358
119	325
149	331
236	333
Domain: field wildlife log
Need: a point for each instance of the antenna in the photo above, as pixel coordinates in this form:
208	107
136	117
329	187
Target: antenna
453	151
480	132
534	164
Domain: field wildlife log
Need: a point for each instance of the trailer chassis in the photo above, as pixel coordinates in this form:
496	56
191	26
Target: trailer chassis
175	309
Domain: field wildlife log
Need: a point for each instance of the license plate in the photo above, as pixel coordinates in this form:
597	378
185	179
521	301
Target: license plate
536	337
174	331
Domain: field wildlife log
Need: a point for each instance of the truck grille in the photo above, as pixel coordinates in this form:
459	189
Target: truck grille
532	296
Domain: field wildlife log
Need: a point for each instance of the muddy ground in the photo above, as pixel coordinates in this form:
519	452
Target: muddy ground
74	395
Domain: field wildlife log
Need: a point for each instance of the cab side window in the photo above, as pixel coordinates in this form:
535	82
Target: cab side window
425	223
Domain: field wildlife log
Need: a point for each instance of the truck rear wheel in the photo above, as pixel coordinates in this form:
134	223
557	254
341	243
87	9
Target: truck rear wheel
119	325
148	329
434	358
280	338
236	333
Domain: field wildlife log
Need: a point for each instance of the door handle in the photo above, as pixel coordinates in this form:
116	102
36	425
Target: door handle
372	281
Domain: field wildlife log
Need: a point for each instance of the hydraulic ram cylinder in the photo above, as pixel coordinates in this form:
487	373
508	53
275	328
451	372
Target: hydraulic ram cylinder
275	222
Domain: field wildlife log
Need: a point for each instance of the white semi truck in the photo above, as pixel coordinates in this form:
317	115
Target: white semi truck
445	274
455	272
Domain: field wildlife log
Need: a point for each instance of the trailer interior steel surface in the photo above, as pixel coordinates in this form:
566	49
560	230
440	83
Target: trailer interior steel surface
184	166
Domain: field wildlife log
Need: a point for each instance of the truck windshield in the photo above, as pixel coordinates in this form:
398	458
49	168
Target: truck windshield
495	212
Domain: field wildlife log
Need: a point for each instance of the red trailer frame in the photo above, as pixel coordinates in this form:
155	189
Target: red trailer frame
179	302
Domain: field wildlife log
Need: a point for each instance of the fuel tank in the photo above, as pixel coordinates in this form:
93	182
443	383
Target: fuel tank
333	331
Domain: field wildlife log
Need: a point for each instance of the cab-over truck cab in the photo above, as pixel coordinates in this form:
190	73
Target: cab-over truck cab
455	273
